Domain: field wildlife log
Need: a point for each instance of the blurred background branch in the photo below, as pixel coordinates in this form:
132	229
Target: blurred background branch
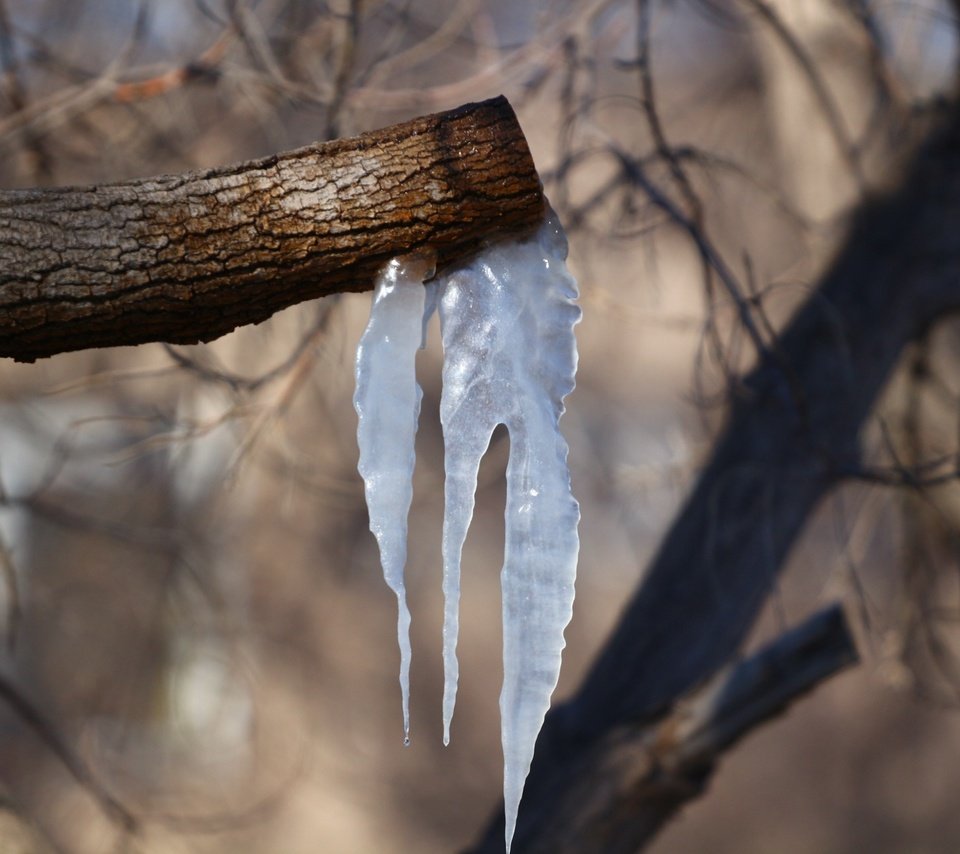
650	771
761	199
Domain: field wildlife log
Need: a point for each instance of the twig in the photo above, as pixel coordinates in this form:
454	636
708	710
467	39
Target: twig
819	89
48	733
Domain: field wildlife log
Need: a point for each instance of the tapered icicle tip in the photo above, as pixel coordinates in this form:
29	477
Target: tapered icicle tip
510	357
387	400
403	640
466	435
451	623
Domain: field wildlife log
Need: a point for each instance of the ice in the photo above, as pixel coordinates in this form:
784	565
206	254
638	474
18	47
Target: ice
510	358
387	400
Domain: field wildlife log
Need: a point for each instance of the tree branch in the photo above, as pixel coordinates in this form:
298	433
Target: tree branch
652	771
48	733
187	258
789	437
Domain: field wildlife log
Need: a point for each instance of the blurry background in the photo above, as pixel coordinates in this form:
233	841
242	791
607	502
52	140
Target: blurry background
194	617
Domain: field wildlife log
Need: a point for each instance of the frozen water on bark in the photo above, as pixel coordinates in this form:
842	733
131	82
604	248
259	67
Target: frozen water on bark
510	358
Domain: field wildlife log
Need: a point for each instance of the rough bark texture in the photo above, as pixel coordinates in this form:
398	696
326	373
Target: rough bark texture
187	258
791	436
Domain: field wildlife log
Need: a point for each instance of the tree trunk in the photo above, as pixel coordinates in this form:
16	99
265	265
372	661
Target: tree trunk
792	435
187	258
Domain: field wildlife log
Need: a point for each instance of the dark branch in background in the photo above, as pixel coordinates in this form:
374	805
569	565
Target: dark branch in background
649	772
48	733
898	273
250	385
188	258
693	220
930	539
114	809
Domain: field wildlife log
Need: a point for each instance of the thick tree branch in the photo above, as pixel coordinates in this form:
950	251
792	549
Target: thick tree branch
187	258
652	771
786	442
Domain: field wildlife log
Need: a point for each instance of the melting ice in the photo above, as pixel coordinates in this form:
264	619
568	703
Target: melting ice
387	400
510	358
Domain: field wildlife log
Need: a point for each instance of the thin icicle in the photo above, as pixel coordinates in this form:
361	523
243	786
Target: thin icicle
510	358
387	400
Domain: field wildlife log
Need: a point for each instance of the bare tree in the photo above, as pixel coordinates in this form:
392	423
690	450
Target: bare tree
804	385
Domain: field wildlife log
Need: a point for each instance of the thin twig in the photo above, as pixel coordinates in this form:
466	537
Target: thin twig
848	151
50	735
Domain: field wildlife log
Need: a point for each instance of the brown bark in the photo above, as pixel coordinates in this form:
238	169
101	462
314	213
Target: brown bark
187	258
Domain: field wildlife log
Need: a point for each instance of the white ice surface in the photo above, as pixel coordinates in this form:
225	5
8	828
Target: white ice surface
510	358
387	400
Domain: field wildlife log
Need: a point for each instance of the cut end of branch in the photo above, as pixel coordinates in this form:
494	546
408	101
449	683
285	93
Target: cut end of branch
188	258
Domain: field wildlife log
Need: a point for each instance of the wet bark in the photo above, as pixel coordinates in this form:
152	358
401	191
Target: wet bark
187	258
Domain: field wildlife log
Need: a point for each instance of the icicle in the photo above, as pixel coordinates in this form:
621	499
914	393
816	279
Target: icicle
387	400
510	358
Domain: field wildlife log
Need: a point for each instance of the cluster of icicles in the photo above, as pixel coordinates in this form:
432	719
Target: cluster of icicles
510	357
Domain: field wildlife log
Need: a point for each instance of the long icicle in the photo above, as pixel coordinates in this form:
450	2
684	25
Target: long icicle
387	400
510	358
